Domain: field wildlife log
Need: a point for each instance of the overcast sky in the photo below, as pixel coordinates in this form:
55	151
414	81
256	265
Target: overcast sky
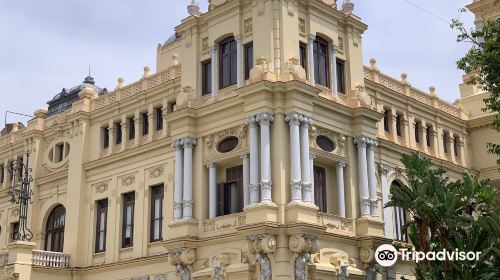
48	45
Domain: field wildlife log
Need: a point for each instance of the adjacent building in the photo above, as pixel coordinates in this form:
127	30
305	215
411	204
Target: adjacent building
262	147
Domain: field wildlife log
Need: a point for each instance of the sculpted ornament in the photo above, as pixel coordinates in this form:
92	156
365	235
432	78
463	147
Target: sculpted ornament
219	264
262	71
300	266
261	245
182	258
265	266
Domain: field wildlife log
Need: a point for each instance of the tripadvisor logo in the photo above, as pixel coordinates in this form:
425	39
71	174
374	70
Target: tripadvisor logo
387	255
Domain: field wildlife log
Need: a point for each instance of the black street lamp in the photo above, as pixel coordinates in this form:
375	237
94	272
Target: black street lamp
21	194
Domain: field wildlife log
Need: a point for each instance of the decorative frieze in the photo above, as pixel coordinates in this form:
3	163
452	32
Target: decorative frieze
156	172
222	224
101	187
128	180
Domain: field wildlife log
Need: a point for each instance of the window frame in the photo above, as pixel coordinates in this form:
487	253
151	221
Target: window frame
233	67
159	118
206	77
418	126
157	192
248	59
105	137
234	176
321	44
53	231
131	128
119	135
428	136
128	199
320	192
303	59
145	123
101	209
386	120
341	80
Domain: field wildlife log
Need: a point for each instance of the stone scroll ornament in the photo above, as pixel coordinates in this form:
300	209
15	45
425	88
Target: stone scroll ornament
303	245
182	259
261	245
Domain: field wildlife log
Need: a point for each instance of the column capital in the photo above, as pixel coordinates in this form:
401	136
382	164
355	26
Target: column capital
213	49
311	156
372	143
252	121
188	142
212	165
333	48
265	118
311	38
341	164
384	169
361	141
176	144
294	118
306	121
245	156
238	38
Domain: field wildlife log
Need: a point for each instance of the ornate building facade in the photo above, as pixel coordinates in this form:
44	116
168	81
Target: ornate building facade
262	148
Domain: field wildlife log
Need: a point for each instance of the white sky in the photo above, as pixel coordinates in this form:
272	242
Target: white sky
48	45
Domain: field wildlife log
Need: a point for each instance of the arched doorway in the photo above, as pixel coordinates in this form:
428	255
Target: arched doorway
54	229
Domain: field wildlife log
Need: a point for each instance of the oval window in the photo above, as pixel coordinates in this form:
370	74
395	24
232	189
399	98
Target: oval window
228	144
325	143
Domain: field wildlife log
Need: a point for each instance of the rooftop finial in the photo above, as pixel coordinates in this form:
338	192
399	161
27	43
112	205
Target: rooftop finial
347	7
194	8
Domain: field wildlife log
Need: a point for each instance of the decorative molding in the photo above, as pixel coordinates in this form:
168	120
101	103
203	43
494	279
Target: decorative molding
128	180
248	25
156	172
101	187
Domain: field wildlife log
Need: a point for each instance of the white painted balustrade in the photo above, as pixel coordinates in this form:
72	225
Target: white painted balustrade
50	259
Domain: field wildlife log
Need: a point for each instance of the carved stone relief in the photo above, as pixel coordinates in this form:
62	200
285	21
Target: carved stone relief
128	180
156	172
101	187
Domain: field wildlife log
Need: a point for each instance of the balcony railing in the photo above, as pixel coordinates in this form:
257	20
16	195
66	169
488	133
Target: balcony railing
50	259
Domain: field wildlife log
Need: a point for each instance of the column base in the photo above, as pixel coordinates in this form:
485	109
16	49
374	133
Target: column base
301	212
184	227
368	226
261	212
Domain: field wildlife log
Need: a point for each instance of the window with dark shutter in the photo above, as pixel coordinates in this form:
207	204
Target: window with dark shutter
320	188
131	128
248	59
227	63
101	225
145	124
398	124
417	132
159	118
54	229
303	55
340	76
320	54
206	77
230	193
428	136
118	127
156	213
386	120
105	137
128	219
445	142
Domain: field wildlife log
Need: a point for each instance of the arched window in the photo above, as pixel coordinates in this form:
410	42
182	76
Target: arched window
227	62
54	230
399	220
321	69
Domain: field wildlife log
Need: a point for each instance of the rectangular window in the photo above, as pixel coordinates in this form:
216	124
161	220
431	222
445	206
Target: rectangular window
320	54
230	193
248	59
128	219
170	107
59	152
386	120
145	124
159	118
14	227
101	225
156	213
118	127
398	124
206	78
2	171
428	136
11	175
340	76
131	128
227	63
456	144
320	188
105	137
445	142
303	55
417	132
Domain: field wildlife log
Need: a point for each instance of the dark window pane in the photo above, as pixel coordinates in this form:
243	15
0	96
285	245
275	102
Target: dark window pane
159	118
325	143
248	59
228	144
101	225
321	59
156	213
303	56
417	132
145	124
386	120
227	63
206	77
54	229
128	219
131	131
398	124
340	76
428	137
320	188
118	128
105	137
230	193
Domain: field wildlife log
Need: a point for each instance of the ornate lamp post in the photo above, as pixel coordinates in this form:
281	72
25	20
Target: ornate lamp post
21	194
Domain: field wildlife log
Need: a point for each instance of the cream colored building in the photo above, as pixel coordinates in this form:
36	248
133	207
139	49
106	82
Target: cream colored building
261	148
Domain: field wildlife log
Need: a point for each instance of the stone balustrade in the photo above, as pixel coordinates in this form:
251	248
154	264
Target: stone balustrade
50	259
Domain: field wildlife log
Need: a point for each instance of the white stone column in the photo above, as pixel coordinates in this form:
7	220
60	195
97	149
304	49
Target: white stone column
265	120
246	179
361	142
187	194
239	60
111	137
384	169
305	160
372	181
310	67
311	166
254	185
214	51
293	120
341	189
178	179
212	191
333	66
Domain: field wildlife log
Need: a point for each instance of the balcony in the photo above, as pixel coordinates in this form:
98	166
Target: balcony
335	224
50	259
